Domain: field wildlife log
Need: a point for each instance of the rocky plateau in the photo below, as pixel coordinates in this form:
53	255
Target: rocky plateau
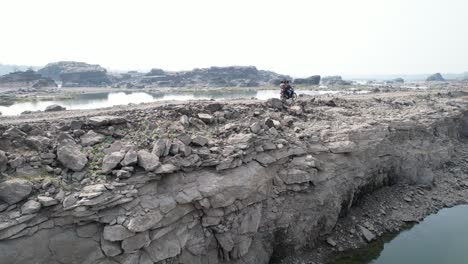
214	182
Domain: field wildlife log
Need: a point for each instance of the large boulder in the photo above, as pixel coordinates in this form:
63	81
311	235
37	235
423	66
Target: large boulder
148	161
111	161
436	77
70	155
91	138
15	190
76	74
54	108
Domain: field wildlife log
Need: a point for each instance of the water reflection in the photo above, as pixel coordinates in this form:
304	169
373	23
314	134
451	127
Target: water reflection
102	100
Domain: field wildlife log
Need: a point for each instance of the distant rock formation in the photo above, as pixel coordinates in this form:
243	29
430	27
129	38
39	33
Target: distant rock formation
76	74
44	83
334	80
437	77
26	79
399	80
156	72
233	76
312	80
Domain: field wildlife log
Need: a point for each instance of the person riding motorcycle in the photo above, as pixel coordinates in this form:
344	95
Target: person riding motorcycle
286	89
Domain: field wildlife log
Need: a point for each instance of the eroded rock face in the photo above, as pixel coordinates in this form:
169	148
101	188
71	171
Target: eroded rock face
3	161
211	192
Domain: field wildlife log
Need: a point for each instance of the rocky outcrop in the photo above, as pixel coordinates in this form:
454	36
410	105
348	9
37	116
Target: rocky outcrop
334	80
156	72
436	77
312	80
44	83
54	108
167	187
26	79
235	76
76	74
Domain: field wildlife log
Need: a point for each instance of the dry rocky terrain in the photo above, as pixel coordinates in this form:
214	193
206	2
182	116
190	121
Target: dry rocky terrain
225	182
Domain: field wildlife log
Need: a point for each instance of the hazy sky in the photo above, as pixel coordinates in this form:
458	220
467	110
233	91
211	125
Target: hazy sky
297	37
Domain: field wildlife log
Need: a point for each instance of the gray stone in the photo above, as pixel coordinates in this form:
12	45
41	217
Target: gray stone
144	222
105	120
110	248
368	235
148	161
70	155
76	124
166	168
87	231
46	201
184	121
130	259
199	141
54	108
38	142
3	161
240	138
111	161
331	242
91	138
160	251
342	147
122	174
166	204
30	207
130	159
188	195
214	107
265	158
255	127
134	243
68	248
225	241
116	233
15	190
274	103
208	119
161	147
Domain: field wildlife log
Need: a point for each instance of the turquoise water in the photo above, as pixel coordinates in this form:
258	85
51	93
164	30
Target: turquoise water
441	238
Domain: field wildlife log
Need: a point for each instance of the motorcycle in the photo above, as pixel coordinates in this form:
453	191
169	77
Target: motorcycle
291	95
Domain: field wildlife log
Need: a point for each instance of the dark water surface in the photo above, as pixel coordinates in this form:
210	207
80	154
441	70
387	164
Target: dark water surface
441	238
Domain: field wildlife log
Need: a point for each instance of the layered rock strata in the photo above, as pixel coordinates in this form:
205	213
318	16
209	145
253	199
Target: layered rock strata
210	182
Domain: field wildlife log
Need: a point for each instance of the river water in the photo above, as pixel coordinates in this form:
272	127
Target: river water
109	99
441	238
